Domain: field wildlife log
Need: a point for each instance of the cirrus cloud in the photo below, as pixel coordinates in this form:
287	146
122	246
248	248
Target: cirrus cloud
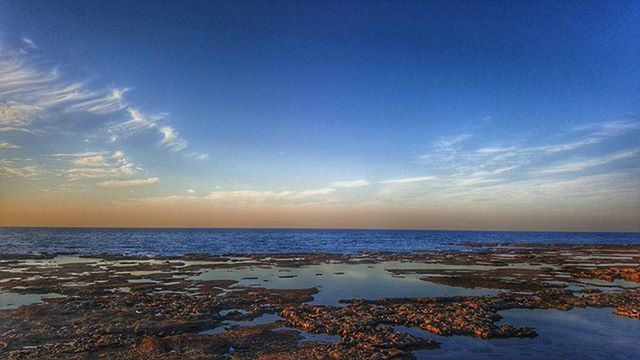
128	183
349	183
171	139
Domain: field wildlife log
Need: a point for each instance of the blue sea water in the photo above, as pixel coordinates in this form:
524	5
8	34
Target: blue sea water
242	241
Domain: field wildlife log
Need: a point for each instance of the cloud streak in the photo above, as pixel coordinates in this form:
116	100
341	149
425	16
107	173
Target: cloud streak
577	166
30	43
490	163
96	165
138	122
9	169
171	139
32	95
23	86
448	143
128	183
15	116
349	183
409	180
6	145
255	196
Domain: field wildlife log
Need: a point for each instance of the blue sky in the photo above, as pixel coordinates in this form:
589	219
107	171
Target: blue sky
483	111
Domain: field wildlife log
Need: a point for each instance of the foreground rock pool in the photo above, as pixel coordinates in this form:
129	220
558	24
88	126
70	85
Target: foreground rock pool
515	301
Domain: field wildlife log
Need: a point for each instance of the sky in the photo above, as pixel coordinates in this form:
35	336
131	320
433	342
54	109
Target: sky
495	115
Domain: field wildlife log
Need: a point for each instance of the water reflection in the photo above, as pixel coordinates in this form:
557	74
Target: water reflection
576	334
230	324
11	300
342	281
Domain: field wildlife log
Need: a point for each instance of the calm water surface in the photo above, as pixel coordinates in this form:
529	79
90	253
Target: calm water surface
576	334
227	241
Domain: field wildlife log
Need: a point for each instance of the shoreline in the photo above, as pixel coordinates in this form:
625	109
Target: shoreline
300	305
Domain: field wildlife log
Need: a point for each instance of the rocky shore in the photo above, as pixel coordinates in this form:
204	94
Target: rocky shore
123	307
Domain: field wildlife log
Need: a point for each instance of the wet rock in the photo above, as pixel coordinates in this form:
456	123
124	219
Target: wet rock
629	311
610	274
105	315
151	345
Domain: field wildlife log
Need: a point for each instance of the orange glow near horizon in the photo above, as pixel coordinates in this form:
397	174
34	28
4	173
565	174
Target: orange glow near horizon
203	215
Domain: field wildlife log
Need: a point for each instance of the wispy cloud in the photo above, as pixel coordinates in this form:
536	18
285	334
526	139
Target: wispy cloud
78	155
507	161
33	94
247	196
452	141
128	183
576	166
15	116
446	148
6	145
18	129
552	148
618	187
137	122
9	168
30	43
495	150
24	86
198	155
540	192
312	192
608	128
563	147
409	180
97	160
110	102
349	183
243	196
95	165
171	139
477	181
101	172
255	197
542	149
496	171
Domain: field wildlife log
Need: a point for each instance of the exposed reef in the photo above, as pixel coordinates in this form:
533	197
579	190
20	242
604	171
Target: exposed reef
216	307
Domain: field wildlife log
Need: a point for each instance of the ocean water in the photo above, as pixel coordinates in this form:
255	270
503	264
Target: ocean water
243	241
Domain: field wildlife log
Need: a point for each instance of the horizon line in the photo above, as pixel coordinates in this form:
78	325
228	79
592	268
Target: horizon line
309	228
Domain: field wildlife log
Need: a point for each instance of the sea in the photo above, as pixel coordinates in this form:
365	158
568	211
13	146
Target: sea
175	242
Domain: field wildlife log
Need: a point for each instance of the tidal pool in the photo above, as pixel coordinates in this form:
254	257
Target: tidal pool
229	324
309	337
11	300
576	334
269	318
336	281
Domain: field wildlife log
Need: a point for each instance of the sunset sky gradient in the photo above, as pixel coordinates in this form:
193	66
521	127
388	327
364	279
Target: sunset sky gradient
451	115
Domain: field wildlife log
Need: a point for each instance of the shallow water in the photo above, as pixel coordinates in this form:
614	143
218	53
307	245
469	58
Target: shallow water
309	337
268	319
11	300
342	281
576	334
229	324
604	285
